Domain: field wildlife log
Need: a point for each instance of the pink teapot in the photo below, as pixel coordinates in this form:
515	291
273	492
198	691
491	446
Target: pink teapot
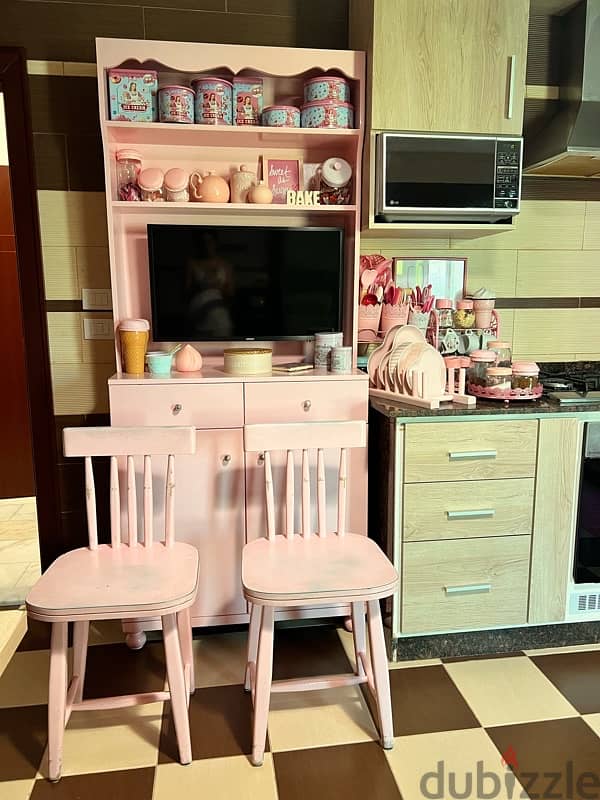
208	188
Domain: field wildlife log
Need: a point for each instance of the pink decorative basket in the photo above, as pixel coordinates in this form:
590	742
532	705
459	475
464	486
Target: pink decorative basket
507	395
393	315
368	318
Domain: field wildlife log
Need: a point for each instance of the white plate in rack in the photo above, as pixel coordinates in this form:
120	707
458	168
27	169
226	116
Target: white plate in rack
430	363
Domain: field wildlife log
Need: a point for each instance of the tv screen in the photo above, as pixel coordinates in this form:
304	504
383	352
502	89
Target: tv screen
215	283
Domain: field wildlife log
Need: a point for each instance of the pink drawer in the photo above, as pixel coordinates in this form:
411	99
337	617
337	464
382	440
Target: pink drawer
306	401
214	405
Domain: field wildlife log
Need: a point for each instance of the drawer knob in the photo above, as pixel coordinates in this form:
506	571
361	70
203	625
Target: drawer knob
472	455
476	513
306	405
226	460
261	459
472	588
177	408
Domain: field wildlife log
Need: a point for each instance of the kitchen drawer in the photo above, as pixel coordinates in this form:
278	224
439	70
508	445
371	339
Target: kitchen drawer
306	401
467	509
211	405
460	451
465	583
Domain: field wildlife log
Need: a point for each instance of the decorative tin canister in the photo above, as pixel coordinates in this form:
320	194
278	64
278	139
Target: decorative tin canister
176	104
213	101
325	87
248	361
327	114
324	343
132	95
247	100
281	117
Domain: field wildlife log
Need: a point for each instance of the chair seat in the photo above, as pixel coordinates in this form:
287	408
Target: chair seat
314	568
106	582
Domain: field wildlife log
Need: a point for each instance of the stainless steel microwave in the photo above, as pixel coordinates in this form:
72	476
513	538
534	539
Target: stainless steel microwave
422	178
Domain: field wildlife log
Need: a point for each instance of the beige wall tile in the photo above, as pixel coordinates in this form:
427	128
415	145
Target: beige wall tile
403	247
45	67
93	267
97	351
72	218
541	225
65	339
507	321
81	388
79	69
494	269
591	234
60	273
558	273
559	332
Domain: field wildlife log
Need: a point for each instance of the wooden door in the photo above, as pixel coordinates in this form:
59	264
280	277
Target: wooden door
449	65
16	464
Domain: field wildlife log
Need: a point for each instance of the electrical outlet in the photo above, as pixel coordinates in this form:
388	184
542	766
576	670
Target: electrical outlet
96	299
98	328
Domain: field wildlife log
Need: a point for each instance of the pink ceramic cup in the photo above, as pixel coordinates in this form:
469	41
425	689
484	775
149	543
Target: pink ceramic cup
393	315
368	318
483	312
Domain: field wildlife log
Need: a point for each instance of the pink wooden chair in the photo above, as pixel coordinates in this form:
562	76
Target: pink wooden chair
291	570
121	580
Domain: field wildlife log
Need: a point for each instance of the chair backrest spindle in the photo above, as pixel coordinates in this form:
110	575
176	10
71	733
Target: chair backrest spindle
90	504
289	495
170	502
132	531
321	494
342	486
148	502
269	497
115	503
305	494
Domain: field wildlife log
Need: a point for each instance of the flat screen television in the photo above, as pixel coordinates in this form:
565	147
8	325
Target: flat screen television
224	283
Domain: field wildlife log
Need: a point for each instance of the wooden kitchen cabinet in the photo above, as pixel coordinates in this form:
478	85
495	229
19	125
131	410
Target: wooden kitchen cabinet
448	66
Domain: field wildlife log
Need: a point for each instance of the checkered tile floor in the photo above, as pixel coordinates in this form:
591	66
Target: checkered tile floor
540	709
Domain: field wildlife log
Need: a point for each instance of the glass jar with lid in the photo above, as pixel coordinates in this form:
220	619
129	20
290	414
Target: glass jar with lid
498	377
443	306
464	316
525	375
481	360
129	165
152	184
503	352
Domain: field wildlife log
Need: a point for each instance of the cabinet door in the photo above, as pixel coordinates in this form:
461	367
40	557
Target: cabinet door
454	66
209	513
356	519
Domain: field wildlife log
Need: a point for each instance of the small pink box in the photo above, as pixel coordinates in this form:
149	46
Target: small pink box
132	95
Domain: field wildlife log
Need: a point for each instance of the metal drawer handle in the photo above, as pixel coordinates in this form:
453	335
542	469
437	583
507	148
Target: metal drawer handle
306	405
226	460
472	455
472	588
177	408
476	513
511	86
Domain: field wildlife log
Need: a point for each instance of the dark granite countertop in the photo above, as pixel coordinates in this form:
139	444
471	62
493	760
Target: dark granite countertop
483	409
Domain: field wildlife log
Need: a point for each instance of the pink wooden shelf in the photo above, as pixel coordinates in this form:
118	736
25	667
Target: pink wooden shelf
243	209
165	133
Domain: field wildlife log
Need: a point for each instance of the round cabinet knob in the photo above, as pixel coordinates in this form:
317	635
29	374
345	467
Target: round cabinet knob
306	405
226	460
261	459
177	408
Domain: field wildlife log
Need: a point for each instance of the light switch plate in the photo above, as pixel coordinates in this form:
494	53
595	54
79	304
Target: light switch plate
96	299
98	328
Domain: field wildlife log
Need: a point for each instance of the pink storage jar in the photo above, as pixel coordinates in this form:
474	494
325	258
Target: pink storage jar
214	100
177	185
176	104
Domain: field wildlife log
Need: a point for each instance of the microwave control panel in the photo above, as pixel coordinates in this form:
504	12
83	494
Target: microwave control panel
508	173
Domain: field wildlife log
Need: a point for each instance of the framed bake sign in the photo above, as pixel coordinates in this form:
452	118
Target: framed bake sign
282	175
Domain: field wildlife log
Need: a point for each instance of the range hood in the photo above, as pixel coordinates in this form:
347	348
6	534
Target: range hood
569	146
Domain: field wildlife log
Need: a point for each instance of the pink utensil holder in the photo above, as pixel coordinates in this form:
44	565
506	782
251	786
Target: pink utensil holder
368	318
483	312
393	315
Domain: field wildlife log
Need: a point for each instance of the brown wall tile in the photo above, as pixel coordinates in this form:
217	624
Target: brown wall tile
50	161
86	165
66	31
61	104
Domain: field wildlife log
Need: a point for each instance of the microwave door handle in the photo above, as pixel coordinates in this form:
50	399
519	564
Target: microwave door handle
511	86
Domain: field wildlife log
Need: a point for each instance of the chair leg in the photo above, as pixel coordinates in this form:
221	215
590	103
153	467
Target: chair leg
262	688
57	698
359	634
381	676
80	645
177	688
253	630
184	626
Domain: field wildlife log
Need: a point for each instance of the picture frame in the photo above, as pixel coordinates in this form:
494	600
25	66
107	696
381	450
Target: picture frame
282	175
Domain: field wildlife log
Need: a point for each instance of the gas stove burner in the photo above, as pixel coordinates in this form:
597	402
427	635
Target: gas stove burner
554	385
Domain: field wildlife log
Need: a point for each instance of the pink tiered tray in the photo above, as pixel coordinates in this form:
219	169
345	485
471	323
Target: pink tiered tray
507	395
